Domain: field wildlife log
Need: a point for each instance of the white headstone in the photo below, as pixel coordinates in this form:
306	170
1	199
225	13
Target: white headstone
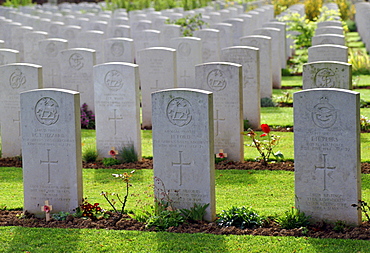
157	68
48	58
329	30
15	78
210	44
328	39
327	154
225	81
117	107
328	52
31	45
189	54
183	156
76	72
327	74
248	57
119	50
51	150
8	56
263	43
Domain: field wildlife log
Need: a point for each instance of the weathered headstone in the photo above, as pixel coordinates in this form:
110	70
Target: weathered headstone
327	154
326	74
51	150
183	155
328	39
328	52
248	57
225	81
117	107
210	44
76	72
48	58
157	66
263	43
8	56
189	54
15	78
31	45
119	50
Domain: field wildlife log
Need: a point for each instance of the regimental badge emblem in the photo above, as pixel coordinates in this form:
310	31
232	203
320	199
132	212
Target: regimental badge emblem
179	112
324	115
113	80
47	111
17	79
216	80
76	61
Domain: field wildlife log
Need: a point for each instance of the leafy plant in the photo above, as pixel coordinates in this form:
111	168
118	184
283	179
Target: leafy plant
60	216
363	206
127	154
339	226
189	23
246	125
195	213
89	154
165	219
265	147
94	212
126	178
109	161
293	219
285	98
87	117
312	8
17	3
267	102
360	61
240	217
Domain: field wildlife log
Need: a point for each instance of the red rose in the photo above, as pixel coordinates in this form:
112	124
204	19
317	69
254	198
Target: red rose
265	128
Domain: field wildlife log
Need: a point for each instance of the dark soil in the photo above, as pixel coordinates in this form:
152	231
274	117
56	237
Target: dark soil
319	230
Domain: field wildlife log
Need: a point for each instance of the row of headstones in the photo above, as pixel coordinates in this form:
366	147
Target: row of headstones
138	27
327	151
362	22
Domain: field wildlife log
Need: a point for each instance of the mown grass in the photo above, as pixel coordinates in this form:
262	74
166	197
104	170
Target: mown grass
270	193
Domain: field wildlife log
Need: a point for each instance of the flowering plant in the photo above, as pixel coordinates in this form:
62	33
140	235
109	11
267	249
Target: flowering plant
265	147
87	117
92	211
126	178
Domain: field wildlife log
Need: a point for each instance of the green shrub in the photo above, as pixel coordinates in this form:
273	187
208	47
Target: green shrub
360	61
165	219
267	102
89	154
293	219
127	154
189	24
339	226
195	213
240	217
110	161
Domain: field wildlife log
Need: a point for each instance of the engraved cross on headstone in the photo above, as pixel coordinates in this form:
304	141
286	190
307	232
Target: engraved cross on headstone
325	167
19	123
115	118
180	164
184	78
216	119
52	75
48	162
156	86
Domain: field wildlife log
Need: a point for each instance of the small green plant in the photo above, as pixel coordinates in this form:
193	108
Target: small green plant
127	154
240	217
195	213
265	147
267	102
89	154
109	161
364	123
339	226
246	124
60	216
189	24
285	98
126	178
17	3
293	219
92	211
360	61
363	206
165	219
